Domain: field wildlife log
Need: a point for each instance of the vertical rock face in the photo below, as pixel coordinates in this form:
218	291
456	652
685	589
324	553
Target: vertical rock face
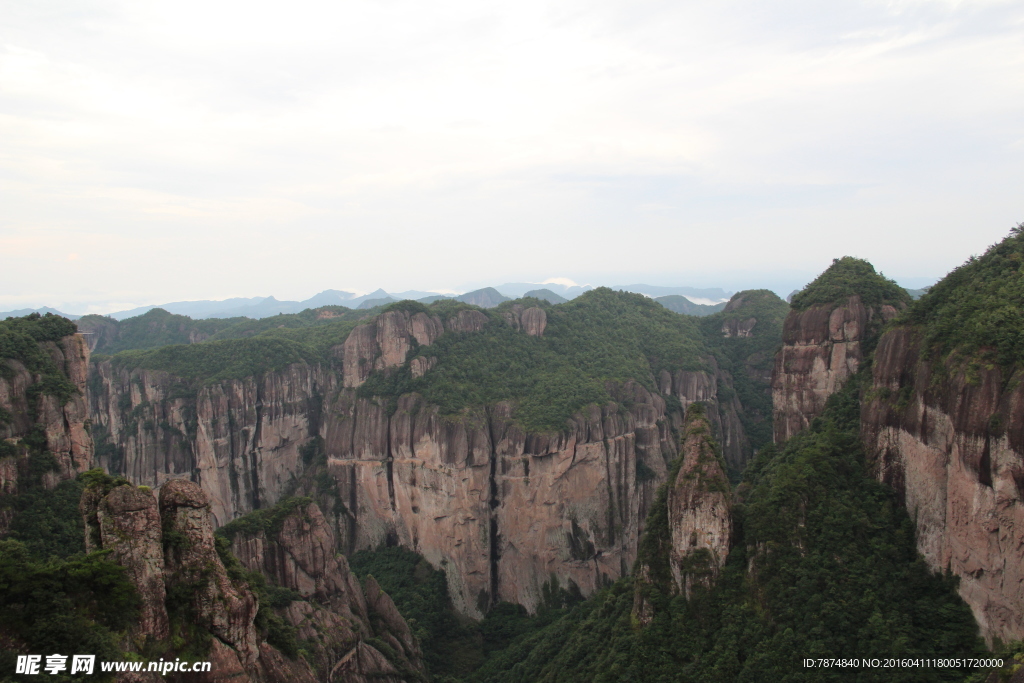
384	342
453	489
65	425
572	505
532	320
499	509
952	446
821	350
699	511
239	439
169	554
302	556
690	523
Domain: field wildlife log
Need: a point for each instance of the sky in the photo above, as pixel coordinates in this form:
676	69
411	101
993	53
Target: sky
166	151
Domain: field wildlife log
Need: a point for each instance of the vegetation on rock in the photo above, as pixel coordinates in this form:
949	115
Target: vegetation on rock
151	330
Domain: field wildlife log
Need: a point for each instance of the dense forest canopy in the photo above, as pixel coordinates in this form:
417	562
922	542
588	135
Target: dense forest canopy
978	309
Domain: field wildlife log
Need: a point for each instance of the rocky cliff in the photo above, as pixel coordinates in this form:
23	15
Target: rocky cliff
500	507
689	530
834	321
943	422
952	446
43	370
744	337
699	511
336	616
192	604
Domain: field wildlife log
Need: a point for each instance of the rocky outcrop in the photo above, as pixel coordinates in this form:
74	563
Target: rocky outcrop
170	555
822	348
699	511
65	425
170	558
385	342
949	438
336	615
126	521
690	524
302	556
364	664
193	568
531	320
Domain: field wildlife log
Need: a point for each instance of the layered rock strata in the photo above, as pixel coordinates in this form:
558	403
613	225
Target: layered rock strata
822	348
499	509
949	438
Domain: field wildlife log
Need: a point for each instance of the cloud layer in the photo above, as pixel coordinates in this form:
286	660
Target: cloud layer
155	151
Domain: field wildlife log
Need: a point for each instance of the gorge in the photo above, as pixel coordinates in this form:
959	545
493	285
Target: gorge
731	474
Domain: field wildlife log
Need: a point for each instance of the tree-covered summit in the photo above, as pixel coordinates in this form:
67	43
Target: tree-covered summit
978	309
846	277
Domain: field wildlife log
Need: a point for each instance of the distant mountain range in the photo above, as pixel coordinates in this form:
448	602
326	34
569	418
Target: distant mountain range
22	312
487	297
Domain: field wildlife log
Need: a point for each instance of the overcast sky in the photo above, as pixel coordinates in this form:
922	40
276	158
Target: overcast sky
161	151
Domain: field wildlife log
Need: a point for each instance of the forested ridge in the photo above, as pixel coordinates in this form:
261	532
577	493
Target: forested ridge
823	561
